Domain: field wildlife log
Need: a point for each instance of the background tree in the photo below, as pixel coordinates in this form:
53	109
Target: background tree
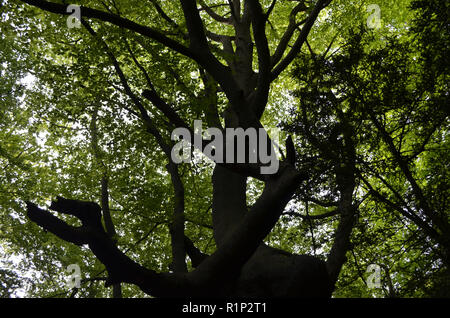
380	112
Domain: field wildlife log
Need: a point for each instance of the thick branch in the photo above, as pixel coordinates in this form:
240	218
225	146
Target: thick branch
300	40
54	225
177	224
116	20
259	99
199	45
269	11
197	36
164	15
119	266
292	26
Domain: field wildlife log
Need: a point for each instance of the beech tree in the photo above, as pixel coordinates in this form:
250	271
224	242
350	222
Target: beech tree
106	88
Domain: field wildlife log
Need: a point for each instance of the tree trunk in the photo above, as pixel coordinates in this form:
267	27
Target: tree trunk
269	272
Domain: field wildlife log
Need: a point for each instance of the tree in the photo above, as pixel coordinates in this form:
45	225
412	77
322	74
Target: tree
107	96
365	116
